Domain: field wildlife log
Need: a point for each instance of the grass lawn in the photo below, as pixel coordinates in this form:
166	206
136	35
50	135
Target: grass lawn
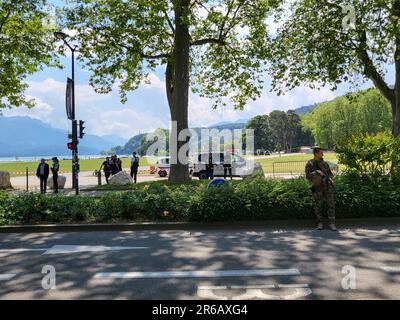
19	168
283	165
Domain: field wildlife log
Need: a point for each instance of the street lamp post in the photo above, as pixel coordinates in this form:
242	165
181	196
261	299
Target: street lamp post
75	160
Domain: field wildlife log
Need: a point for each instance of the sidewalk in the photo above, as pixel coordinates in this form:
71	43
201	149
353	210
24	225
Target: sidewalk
239	225
86	178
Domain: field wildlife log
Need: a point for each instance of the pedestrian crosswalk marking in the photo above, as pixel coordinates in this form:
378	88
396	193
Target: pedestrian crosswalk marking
196	274
391	269
7	276
63	249
253	292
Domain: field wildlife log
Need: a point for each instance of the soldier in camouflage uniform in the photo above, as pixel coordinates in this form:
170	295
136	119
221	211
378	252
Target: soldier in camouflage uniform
320	175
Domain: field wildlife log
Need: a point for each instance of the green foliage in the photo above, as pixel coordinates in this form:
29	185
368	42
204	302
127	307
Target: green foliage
317	45
27	44
364	112
124	41
357	196
369	155
324	43
257	199
278	130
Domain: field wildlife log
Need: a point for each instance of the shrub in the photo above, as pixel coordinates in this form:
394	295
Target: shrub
259	199
369	155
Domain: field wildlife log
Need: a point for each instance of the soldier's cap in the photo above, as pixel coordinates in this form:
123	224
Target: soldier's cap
317	148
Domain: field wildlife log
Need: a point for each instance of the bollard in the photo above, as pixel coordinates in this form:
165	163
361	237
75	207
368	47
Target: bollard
27	179
99	178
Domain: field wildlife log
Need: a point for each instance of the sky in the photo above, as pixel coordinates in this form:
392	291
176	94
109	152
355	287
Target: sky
146	108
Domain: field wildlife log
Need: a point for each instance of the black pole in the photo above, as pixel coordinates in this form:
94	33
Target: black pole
75	144
75	159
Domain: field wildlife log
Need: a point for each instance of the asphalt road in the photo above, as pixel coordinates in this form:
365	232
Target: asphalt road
253	263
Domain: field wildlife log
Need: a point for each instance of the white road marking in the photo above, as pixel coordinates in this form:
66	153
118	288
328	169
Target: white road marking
7	276
391	269
60	249
196	274
254	292
21	250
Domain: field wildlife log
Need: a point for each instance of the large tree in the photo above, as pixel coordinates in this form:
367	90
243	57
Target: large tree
262	132
213	46
364	112
330	41
26	39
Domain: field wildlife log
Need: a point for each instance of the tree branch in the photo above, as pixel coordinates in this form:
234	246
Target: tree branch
224	21
206	41
169	22
4	20
231	25
370	70
141	53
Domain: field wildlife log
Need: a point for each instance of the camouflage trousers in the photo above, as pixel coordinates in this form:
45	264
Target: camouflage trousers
319	196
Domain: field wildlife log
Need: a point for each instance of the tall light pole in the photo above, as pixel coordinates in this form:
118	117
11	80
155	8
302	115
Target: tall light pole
75	160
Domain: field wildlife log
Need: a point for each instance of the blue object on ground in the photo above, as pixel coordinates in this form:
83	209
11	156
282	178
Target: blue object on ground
217	182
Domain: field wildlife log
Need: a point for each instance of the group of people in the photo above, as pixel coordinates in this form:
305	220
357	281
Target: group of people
227	164
43	172
317	172
113	165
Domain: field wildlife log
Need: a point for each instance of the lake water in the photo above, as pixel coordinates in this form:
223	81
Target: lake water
37	158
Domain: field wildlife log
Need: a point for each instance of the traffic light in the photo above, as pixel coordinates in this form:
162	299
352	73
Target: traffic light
69	145
81	129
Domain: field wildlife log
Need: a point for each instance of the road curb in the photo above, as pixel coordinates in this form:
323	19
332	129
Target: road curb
162	226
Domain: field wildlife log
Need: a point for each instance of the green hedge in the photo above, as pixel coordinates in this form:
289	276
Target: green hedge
239	200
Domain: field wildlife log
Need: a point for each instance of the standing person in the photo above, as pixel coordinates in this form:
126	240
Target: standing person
42	173
119	164
228	165
114	166
320	175
106	165
210	167
54	170
134	166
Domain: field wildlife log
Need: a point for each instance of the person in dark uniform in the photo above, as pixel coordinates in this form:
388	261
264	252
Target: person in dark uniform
320	175
134	166
106	166
54	170
42	173
119	164
114	165
210	167
228	165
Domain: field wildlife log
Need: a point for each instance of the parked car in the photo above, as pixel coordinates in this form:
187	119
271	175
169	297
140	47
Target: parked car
163	166
241	167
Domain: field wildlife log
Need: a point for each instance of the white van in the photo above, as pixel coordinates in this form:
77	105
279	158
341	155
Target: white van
240	166
163	166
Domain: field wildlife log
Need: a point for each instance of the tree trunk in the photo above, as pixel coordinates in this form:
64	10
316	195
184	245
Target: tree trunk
177	82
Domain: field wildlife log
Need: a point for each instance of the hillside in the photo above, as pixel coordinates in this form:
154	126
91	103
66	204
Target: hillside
134	143
25	136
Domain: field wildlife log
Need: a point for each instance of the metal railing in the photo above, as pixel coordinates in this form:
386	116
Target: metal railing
289	168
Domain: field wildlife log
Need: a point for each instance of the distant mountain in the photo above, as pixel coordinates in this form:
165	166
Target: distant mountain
224	123
114	139
134	143
25	136
305	109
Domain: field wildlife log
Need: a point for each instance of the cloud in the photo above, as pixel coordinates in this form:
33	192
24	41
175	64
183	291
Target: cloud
147	107
154	82
42	110
54	89
201	113
125	122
